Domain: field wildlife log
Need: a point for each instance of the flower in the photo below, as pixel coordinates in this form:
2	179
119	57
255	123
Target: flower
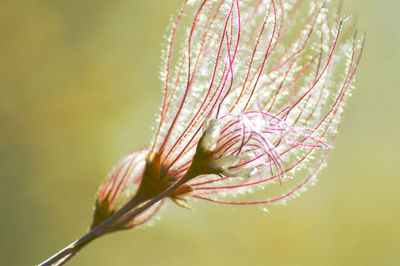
254	93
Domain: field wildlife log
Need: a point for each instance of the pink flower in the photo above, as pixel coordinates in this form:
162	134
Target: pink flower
254	93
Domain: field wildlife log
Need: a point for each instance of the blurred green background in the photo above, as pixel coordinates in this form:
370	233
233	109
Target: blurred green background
79	90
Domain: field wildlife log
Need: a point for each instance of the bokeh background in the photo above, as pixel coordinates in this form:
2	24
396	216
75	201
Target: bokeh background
79	90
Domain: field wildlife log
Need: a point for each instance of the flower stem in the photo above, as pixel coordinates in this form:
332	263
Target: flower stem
68	252
71	250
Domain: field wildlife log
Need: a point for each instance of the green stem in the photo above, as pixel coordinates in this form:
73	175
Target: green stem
71	250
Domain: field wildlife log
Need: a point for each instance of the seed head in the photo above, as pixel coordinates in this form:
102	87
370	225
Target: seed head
254	93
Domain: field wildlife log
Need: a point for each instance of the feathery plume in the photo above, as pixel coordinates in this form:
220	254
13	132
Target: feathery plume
253	98
254	94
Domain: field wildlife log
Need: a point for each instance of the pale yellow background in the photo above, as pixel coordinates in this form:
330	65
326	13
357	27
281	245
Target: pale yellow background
79	89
